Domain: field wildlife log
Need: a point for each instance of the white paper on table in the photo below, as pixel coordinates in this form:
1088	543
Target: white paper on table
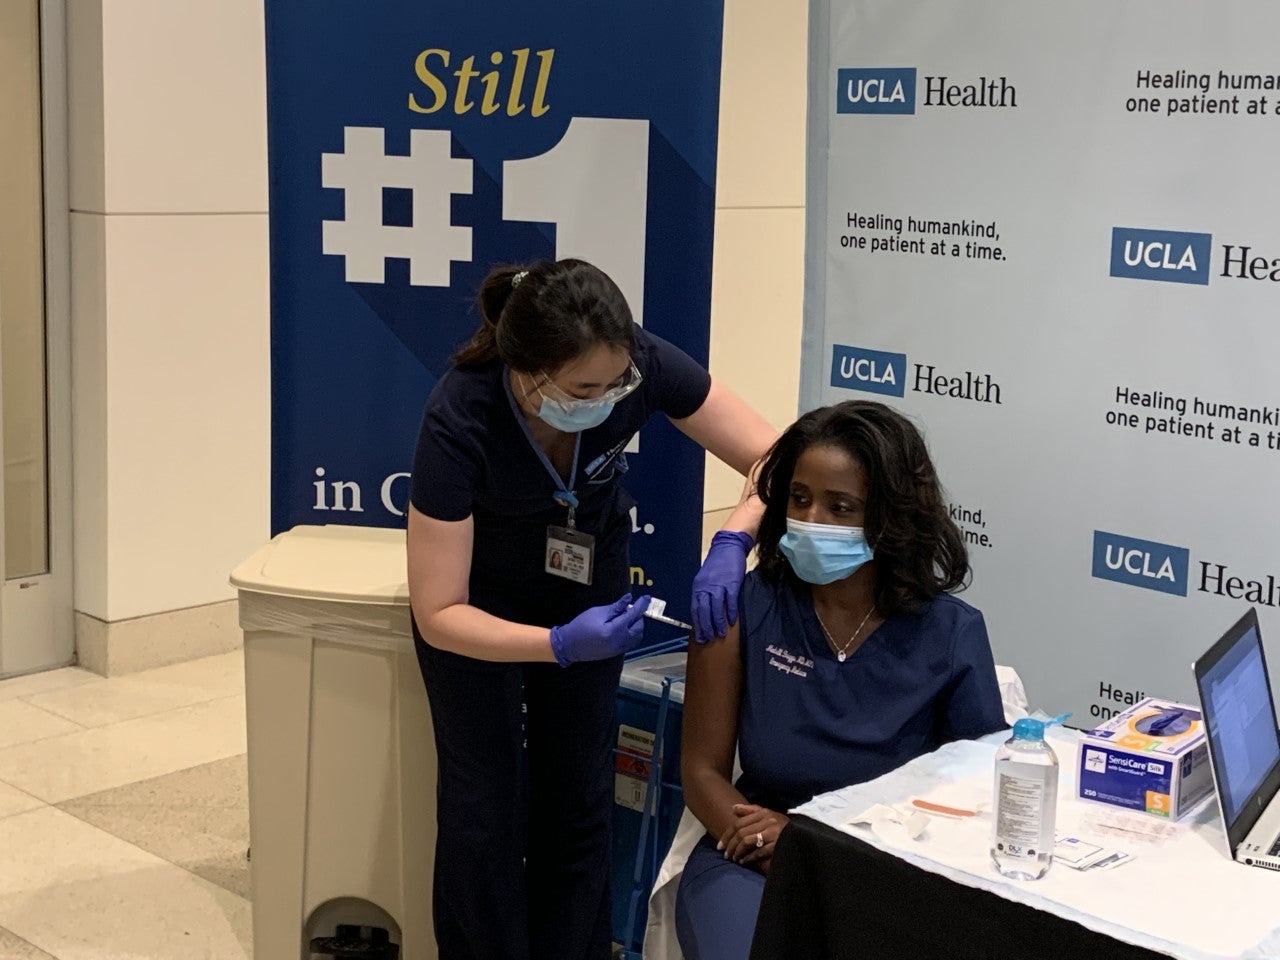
896	825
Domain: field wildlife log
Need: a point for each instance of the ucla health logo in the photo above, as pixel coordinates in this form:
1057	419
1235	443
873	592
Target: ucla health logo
1167	255
1141	563
876	90
893	90
856	368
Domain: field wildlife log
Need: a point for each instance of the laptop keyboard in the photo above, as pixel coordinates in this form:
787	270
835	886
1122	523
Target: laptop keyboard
1275	848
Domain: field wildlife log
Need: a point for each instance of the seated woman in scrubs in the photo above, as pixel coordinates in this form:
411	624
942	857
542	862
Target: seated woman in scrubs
850	655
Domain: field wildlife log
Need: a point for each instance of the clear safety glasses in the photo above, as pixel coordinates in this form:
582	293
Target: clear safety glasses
630	381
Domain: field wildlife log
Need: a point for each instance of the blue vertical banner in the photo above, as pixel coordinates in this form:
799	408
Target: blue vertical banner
415	145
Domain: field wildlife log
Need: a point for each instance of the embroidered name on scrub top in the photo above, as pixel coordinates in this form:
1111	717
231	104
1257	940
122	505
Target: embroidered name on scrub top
570	553
787	662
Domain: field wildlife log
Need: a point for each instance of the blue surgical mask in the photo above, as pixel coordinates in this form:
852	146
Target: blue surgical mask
573	417
822	553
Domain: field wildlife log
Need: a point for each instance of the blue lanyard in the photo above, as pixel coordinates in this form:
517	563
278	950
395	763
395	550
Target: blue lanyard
564	494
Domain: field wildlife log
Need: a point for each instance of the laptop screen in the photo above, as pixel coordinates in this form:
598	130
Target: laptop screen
1246	744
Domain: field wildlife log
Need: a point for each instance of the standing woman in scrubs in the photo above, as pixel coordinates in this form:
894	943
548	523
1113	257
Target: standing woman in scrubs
519	459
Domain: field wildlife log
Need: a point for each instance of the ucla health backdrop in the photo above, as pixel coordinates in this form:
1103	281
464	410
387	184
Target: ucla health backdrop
413	145
1051	234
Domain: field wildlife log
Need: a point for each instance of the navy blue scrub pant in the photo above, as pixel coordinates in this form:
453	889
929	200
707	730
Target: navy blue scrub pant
523	847
717	903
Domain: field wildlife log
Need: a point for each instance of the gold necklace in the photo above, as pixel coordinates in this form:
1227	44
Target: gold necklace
840	650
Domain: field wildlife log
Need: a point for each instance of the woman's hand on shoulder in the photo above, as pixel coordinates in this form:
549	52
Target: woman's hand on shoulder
718	583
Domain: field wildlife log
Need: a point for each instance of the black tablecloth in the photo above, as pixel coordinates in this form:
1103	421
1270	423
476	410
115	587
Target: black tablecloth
833	897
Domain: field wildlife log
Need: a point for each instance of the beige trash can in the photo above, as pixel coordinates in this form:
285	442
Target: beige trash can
342	771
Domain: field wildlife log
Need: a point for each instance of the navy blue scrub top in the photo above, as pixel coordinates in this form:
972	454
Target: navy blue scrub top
809	724
474	459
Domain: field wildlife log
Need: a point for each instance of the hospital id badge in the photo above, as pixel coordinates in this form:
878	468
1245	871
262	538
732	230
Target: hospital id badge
570	554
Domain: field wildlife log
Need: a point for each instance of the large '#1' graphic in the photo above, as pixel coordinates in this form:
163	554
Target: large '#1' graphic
592	185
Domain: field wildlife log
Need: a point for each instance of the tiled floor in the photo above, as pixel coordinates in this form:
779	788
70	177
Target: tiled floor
124	815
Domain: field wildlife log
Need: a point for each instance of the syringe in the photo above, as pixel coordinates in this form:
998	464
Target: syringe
657	611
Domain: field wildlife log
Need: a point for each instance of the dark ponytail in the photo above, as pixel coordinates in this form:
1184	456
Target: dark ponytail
557	311
495	291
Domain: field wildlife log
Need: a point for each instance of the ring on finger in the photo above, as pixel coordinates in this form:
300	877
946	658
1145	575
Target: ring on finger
759	840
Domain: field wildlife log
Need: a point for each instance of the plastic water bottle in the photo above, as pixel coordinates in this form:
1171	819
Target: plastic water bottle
1026	802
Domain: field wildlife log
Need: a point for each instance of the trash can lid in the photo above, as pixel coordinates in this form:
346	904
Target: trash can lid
355	564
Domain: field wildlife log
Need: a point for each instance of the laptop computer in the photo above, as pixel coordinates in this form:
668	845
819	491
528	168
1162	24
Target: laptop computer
1244	742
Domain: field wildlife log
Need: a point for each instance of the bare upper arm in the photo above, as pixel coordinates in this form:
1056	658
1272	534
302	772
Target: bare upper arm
439	555
726	427
713	692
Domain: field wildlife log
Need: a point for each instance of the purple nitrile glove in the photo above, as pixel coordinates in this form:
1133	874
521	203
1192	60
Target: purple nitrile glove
715	588
600	633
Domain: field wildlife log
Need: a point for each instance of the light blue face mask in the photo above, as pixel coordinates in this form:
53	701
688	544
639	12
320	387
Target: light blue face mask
573	417
822	553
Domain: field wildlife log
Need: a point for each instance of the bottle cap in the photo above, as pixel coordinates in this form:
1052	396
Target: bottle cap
1028	729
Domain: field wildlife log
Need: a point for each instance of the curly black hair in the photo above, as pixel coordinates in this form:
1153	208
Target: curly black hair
919	550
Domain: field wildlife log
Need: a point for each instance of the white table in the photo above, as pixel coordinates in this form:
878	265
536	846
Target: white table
1182	896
